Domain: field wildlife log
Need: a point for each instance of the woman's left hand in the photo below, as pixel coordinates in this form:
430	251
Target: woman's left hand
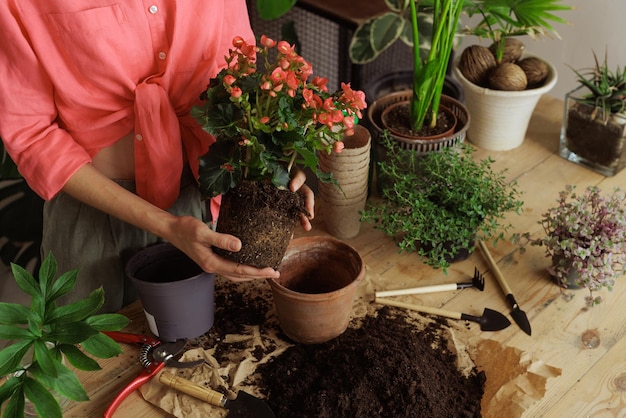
297	184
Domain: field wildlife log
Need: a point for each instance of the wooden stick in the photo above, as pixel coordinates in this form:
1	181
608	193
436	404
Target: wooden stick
192	389
417	290
496	271
420	308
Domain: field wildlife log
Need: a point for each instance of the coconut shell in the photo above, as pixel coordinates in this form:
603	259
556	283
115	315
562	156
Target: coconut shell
508	76
475	64
536	71
513	49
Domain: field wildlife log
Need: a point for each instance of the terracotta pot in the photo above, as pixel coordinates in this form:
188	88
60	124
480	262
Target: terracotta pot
314	295
500	118
177	296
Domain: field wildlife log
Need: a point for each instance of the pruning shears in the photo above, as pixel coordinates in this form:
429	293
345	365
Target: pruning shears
154	355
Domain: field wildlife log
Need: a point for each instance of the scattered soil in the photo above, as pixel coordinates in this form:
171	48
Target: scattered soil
384	365
398	120
263	217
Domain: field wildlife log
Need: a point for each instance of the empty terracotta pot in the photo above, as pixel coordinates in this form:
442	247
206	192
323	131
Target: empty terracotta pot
177	296
314	295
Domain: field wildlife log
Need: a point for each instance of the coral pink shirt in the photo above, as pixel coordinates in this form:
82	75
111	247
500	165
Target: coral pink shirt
76	76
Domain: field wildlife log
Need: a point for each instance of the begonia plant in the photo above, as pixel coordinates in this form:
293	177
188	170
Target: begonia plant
268	114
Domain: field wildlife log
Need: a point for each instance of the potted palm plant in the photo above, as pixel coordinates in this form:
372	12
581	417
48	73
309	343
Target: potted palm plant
502	84
434	23
438	204
585	238
43	335
267	116
593	132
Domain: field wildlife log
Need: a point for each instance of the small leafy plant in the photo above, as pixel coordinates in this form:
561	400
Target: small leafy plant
587	233
440	203
607	89
267	117
43	333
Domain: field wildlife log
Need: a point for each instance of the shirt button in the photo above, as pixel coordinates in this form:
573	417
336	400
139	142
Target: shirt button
153	9
139	137
162	55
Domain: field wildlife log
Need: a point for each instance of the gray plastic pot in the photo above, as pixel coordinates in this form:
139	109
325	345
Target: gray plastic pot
177	296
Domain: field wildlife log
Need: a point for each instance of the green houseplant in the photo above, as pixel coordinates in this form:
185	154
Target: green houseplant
430	31
267	117
501	83
585	237
593	132
440	203
43	333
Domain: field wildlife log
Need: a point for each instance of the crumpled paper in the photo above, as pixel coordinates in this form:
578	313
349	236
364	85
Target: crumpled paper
515	380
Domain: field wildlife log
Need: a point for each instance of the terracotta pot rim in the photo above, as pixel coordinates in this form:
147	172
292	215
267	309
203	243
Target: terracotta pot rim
310	242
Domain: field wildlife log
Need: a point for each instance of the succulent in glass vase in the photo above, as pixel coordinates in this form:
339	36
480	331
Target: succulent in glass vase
268	115
593	132
585	237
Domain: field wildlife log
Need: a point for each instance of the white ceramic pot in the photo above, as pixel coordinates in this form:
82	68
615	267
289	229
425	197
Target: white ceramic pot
500	118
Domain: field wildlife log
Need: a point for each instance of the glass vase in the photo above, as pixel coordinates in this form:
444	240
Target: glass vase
590	137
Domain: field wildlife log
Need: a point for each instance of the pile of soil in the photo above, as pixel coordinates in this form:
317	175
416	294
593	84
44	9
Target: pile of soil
382	366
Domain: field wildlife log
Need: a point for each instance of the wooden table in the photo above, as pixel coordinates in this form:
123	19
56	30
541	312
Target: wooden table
593	378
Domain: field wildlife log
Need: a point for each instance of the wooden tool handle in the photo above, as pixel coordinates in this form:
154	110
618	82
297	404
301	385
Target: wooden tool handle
496	271
419	308
417	290
192	389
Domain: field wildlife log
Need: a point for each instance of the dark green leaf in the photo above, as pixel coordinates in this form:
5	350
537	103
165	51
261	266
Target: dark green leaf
9	332
79	310
45	404
65	384
102	346
273	9
25	280
47	271
386	29
78	359
71	333
11	356
14	313
15	406
219	169
108	322
63	285
7	388
361	50
44	358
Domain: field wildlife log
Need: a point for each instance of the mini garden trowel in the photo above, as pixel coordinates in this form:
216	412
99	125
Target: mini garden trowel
243	406
517	314
489	321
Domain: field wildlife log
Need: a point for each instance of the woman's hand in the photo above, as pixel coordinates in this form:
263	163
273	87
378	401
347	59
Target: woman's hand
297	185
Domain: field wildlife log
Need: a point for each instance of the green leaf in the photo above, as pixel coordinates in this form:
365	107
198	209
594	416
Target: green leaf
14	313
15	406
79	310
102	346
216	176
361	50
63	285
7	389
47	271
25	280
42	399
386	29
65	384
273	9
44	358
9	332
108	322
11	356
79	359
71	333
